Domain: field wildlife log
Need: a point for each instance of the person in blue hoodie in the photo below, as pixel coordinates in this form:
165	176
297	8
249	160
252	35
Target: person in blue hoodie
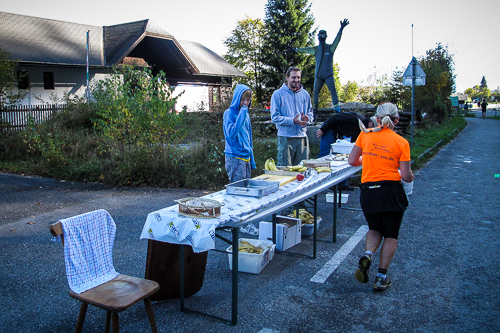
291	111
239	145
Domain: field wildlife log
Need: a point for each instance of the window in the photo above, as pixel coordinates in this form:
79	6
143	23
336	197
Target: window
23	81
215	95
48	80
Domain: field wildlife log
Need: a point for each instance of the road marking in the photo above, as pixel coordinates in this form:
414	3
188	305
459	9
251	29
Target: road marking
332	264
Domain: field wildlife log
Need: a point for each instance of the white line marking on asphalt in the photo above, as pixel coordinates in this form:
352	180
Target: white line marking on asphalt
268	330
332	264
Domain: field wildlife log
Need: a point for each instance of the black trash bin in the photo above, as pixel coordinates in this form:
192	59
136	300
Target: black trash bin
163	266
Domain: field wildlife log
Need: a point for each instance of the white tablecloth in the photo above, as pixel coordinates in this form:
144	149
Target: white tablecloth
167	225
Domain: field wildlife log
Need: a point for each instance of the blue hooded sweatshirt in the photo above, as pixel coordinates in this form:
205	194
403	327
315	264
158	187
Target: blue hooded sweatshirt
237	128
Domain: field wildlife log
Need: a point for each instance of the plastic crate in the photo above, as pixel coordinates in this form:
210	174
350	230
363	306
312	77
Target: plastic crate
251	262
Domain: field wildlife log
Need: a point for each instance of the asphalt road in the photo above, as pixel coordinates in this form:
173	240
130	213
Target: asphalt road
445	272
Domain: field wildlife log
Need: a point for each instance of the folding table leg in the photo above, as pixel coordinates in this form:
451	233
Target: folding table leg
315	224
181	267
335	213
234	293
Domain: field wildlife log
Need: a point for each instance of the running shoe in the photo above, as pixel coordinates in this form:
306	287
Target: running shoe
364	266
249	229
382	283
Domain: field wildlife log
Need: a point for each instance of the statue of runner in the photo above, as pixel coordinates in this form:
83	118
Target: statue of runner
323	54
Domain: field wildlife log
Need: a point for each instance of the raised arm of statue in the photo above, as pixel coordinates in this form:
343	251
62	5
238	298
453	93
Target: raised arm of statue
310	50
336	42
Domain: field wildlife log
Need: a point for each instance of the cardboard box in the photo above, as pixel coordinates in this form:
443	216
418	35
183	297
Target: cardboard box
344	198
286	235
308	229
252	262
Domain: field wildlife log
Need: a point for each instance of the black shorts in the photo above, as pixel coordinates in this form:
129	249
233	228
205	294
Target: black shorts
384	196
386	223
384	204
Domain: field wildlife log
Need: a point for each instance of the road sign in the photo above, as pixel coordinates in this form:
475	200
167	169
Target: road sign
454	100
414	74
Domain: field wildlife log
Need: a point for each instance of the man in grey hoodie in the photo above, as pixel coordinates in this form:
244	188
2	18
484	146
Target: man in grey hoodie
291	111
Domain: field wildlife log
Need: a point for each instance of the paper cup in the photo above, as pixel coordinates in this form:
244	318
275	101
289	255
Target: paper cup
408	187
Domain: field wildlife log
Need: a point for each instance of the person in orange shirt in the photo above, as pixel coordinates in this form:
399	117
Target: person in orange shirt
385	157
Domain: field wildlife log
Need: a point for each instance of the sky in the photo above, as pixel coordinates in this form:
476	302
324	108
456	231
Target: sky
378	40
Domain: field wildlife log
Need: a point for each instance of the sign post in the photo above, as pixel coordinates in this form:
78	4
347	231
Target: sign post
413	76
454	102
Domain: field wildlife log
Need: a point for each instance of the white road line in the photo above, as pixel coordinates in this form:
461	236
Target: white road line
332	264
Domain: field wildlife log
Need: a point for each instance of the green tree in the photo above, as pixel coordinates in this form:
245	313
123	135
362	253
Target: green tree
244	48
349	92
288	25
9	79
433	98
135	108
483	83
478	92
396	93
495	95
375	92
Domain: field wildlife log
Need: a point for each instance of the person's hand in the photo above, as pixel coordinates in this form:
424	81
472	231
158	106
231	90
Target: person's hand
300	121
305	118
344	23
319	133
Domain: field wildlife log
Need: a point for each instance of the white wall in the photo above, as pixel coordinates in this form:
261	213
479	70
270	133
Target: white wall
192	97
68	79
74	80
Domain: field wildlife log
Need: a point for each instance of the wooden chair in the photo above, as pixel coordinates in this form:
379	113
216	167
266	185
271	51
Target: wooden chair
113	296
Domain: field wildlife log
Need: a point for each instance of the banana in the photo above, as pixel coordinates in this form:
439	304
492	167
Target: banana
266	166
323	169
295	168
305	216
272	166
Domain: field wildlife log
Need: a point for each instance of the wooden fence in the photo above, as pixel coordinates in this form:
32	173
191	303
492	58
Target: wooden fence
16	118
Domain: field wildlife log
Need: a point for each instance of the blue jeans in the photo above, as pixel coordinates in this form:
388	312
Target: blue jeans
237	169
325	146
326	143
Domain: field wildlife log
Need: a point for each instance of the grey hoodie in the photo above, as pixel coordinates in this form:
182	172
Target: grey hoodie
285	105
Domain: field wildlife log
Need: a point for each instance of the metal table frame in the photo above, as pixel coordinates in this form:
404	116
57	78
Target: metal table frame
235	229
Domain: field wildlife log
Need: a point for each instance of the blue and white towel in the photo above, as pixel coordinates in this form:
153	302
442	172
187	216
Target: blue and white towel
88	249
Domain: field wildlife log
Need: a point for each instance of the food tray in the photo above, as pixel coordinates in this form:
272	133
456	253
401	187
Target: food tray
342	147
337	163
281	173
252	188
316	163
